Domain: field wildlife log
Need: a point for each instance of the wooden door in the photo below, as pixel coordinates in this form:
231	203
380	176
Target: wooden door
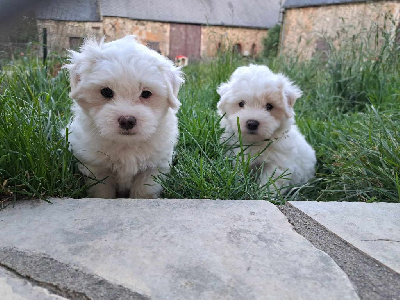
185	40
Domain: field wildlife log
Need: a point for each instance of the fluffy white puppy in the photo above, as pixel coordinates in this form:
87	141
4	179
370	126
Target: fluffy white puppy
262	102
124	127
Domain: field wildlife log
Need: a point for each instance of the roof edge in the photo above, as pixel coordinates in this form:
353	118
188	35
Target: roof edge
294	4
64	20
191	23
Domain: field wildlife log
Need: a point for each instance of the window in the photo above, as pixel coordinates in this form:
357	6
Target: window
154	45
322	48
75	42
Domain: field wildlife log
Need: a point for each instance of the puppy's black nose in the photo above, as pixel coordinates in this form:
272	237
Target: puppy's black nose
127	122
252	124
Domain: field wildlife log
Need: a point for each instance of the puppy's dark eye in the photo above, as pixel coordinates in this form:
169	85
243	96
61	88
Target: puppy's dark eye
146	94
107	93
269	106
241	104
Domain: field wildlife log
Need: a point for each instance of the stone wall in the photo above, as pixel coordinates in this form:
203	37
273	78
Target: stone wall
305	30
63	35
249	39
148	32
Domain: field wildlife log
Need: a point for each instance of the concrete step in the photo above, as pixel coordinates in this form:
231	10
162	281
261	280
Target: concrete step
165	249
374	228
371	278
14	287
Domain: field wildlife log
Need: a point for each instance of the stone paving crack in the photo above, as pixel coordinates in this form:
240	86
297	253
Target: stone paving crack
62	279
372	279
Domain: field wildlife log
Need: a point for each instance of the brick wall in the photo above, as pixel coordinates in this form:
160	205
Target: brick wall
305	29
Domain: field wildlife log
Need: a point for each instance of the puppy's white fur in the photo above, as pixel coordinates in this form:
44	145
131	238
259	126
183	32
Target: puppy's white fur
125	160
283	148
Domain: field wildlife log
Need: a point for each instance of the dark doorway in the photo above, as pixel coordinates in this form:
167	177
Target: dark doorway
237	48
253	50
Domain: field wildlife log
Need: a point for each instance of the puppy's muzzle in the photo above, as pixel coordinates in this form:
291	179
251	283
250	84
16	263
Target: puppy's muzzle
252	125
127	122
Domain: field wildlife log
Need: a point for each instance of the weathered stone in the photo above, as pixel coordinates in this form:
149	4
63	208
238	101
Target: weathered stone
374	228
372	279
59	33
249	39
179	249
305	28
156	35
62	279
145	31
13	287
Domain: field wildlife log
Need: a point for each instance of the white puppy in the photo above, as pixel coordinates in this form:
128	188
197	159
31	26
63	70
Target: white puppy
262	102
124	127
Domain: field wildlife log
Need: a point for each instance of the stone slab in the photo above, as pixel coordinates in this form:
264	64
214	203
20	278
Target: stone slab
372	279
374	228
63	279
13	287
178	249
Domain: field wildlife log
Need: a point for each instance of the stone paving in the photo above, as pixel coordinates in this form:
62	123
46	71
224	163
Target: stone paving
374	228
14	287
175	249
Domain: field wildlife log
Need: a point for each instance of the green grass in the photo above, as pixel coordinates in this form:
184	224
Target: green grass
34	157
349	113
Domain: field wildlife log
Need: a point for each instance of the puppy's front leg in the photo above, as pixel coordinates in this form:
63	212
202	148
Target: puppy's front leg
278	184
103	189
144	186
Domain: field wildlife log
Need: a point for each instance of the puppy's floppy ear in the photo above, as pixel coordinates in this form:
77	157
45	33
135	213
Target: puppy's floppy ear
90	51
174	79
72	67
291	91
222	90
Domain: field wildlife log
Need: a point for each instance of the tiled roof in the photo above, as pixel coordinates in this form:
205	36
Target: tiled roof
246	13
69	10
242	13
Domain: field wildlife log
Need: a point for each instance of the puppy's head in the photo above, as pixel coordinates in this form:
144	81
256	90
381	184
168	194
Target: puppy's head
261	100
124	88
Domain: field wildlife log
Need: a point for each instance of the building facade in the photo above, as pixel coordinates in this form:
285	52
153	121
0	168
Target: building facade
195	29
309	24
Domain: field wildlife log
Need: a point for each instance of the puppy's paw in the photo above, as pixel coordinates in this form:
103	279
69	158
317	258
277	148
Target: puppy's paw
102	190
149	192
144	186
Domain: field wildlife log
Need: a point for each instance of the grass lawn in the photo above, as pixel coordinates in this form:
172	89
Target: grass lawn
349	113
